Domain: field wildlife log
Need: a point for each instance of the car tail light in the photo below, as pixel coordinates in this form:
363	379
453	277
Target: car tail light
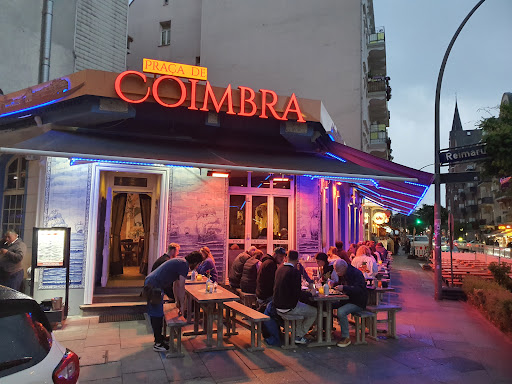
68	370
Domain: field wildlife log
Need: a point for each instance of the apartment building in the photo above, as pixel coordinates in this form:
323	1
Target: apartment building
327	50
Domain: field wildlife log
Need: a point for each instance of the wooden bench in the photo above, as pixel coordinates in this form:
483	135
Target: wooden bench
254	318
391	311
290	324
247	299
363	320
174	322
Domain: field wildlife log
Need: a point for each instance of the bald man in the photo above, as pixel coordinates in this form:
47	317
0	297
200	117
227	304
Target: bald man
351	282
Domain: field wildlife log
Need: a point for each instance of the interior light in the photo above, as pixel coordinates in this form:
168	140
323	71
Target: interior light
281	179
224	175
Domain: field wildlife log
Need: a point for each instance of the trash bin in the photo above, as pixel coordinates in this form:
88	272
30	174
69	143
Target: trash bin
57	303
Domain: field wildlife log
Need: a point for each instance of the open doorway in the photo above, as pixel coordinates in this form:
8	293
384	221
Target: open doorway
127	210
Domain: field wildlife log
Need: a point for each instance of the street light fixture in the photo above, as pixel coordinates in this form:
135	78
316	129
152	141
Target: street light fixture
437	206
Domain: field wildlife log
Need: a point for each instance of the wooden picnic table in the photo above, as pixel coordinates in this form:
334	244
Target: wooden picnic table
375	294
326	300
211	303
189	298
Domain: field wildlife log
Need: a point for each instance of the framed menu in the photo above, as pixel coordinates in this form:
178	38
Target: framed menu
51	247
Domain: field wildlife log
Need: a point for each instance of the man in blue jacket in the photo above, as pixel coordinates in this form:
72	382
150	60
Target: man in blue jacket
350	281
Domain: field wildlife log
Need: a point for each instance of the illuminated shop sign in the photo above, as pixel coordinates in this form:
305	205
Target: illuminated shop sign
267	98
174	69
380	218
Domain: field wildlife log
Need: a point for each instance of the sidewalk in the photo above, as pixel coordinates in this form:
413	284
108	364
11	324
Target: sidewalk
446	342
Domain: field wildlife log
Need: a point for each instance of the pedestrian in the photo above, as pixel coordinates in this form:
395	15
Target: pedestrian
172	272
173	251
11	257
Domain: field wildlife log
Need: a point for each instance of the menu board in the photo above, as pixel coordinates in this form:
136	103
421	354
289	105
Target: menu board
51	247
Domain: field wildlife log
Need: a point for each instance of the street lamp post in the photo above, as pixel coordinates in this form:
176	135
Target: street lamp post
437	205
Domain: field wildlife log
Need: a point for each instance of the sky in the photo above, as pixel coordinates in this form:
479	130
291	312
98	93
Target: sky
478	71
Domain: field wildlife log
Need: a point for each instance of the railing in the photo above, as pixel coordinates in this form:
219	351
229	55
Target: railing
489	250
377	37
379	84
486	200
378	134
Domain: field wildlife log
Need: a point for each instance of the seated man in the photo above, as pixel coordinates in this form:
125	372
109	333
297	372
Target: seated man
287	294
172	272
267	274
250	272
237	268
351	282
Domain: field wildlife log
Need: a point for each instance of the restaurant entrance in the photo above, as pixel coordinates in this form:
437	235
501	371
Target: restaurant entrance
261	213
126	213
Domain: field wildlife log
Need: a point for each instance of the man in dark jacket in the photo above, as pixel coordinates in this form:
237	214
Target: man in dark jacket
287	295
350	281
250	273
173	251
11	255
267	274
342	254
237	268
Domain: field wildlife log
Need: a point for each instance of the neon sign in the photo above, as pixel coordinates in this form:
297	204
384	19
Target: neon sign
247	104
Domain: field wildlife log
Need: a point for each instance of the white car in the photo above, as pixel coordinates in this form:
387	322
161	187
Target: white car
29	354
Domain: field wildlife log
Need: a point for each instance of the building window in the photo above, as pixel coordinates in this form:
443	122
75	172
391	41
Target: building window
14	195
198	60
166	2
165	33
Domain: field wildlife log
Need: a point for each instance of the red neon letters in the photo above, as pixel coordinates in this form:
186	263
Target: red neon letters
248	105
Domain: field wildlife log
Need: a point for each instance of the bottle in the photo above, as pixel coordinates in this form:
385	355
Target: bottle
193	275
215	287
326	289
208	285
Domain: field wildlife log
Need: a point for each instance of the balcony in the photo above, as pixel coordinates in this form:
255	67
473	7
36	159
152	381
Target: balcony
377	51
473	208
486	201
380	143
379	93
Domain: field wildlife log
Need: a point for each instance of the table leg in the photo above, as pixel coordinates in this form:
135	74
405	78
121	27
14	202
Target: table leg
197	314
189	308
220	325
328	326
209	325
320	321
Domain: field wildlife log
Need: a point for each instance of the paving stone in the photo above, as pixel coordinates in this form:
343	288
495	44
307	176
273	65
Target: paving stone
100	372
260	359
147	377
140	360
460	364
114	380
186	368
225	366
278	376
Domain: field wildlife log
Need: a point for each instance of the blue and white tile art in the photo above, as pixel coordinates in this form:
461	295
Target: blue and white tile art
67	195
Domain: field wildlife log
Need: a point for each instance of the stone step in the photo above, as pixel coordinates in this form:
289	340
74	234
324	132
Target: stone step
118	290
116	298
97	309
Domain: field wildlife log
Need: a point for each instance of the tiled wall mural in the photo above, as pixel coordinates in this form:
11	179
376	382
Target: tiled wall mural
197	213
309	234
67	194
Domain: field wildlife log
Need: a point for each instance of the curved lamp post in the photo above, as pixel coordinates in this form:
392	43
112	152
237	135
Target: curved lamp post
437	205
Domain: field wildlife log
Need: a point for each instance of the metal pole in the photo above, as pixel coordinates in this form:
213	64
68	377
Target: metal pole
437	206
46	42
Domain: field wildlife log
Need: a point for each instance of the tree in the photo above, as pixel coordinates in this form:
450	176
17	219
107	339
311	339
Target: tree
497	134
426	216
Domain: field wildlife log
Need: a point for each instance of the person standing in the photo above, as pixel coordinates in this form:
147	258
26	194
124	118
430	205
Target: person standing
207	267
237	268
172	272
267	275
173	251
10	261
287	294
350	281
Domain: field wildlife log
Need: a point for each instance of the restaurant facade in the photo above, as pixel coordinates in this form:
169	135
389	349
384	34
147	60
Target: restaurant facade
134	161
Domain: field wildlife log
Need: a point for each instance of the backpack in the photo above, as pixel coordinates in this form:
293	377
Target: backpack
272	328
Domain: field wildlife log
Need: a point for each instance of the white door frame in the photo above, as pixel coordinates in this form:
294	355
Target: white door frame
97	168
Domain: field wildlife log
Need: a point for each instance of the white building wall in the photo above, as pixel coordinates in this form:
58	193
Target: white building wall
312	48
145	17
101	32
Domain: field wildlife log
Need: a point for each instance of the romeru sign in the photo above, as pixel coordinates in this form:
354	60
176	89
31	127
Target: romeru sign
462	154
